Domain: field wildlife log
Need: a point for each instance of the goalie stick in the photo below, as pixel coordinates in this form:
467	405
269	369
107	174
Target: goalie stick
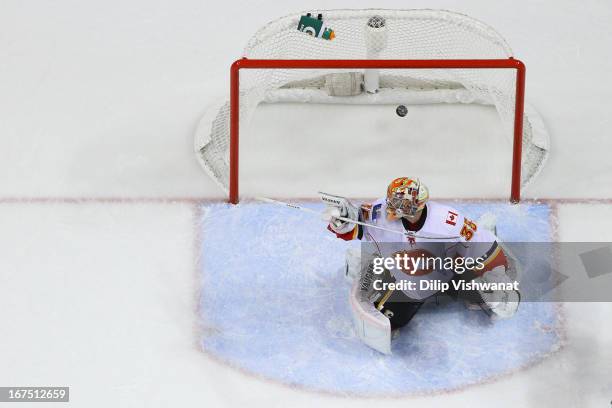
364	224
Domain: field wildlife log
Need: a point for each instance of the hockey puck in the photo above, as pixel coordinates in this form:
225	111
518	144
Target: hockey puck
401	111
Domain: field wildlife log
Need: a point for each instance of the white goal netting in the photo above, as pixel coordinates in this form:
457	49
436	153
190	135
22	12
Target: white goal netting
375	34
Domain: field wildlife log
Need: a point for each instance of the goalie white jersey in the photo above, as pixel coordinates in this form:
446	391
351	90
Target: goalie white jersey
438	221
441	232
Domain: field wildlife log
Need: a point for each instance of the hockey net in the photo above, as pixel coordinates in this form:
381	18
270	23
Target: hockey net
374	35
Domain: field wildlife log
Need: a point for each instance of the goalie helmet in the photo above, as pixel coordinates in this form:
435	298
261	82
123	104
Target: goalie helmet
406	196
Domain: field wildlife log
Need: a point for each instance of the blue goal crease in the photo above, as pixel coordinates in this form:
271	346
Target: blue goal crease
278	307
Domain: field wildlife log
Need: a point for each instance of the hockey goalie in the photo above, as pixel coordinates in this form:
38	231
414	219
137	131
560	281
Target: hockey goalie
406	226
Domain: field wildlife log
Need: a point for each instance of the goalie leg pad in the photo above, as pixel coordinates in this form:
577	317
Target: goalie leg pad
499	304
371	326
377	315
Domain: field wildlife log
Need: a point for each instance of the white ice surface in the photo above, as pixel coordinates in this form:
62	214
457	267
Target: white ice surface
103	100
100	99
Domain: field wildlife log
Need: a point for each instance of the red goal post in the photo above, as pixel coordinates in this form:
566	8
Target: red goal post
507	63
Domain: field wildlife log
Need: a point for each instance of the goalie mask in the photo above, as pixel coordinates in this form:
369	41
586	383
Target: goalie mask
406	196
